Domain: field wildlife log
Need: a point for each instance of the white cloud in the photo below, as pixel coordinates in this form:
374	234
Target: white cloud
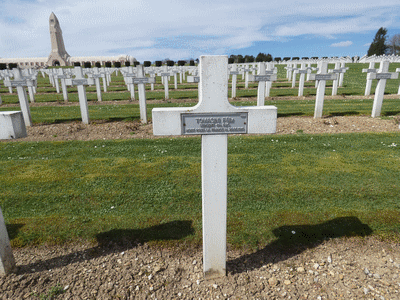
103	27
342	44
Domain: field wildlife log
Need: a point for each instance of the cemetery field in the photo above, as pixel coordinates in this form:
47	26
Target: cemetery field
289	189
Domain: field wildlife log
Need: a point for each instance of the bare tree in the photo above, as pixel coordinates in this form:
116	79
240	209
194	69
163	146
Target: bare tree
394	44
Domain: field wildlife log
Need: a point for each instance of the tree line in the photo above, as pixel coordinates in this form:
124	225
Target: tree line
382	44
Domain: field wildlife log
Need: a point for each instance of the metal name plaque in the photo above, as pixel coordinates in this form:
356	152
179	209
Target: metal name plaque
384	76
325	76
18	83
208	123
140	80
264	78
79	81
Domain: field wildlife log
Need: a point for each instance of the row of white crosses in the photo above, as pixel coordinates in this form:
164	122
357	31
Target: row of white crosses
214	118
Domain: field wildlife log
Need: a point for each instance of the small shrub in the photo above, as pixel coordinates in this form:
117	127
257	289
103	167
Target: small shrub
147	63
97	64
158	63
12	66
117	64
87	64
77	64
170	63
108	64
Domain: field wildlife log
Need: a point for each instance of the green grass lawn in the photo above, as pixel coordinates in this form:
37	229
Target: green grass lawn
56	192
317	186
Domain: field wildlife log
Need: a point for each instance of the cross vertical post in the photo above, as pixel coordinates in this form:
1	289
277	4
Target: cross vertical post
7	261
213	118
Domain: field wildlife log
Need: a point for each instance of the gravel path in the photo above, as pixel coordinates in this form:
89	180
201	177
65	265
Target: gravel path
130	130
343	268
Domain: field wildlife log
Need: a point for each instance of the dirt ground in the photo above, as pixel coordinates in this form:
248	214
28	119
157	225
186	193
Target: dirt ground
134	129
342	268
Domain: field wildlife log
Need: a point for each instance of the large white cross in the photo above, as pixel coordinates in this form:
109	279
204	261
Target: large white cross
214	118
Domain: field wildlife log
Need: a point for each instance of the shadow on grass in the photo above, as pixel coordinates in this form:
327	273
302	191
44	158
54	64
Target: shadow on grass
391	113
291	114
114	241
13	229
293	240
343	113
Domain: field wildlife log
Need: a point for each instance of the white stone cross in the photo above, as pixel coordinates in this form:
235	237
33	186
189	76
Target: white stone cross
95	74
141	80
164	75
338	70
322	77
289	69
371	69
152	74
382	76
129	74
80	81
303	71
214	118
261	78
7	262
234	72
175	71
246	71
62	76
20	82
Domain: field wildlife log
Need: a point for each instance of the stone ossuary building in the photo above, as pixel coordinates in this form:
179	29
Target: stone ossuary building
59	56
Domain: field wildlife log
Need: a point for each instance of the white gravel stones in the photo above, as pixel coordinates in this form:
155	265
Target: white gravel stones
265	275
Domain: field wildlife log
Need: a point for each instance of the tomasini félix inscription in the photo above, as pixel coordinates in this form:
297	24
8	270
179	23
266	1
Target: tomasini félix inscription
214	123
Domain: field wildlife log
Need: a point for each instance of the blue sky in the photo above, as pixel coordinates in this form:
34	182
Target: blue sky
155	30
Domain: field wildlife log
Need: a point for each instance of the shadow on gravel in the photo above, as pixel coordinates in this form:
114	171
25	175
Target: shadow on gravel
293	240
114	241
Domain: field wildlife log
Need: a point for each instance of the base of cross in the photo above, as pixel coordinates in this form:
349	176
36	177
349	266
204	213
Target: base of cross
214	118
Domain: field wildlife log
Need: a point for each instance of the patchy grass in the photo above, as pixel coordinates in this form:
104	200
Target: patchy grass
315	185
